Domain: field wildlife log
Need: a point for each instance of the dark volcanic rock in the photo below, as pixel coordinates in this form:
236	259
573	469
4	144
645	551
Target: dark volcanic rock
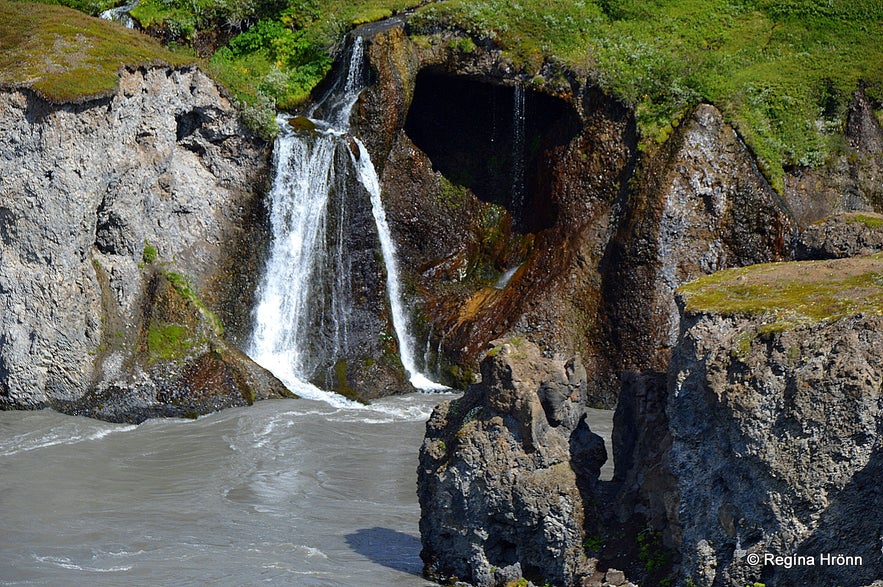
440	126
508	474
178	363
776	444
844	235
702	206
850	182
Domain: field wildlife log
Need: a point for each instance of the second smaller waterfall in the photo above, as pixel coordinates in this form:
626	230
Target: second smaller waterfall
518	139
121	14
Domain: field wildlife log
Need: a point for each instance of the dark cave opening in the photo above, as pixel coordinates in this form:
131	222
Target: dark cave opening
498	140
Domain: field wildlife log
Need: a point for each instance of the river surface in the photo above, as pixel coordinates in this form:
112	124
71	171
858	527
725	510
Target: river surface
286	492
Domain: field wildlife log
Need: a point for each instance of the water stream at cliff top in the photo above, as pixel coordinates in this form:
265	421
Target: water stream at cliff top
303	318
121	14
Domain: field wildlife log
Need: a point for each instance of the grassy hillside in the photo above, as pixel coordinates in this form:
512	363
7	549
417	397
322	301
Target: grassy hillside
783	71
66	55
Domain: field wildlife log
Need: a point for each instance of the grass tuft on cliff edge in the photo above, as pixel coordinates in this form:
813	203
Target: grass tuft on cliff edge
791	294
67	56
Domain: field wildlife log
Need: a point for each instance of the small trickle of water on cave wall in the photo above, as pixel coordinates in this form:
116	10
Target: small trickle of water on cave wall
303	317
518	139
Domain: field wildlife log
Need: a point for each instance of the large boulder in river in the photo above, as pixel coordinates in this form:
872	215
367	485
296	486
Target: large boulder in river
508	474
776	413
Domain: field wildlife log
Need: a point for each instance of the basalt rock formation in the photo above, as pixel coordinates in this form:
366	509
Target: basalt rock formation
841	235
98	201
776	425
850	182
702	205
508	474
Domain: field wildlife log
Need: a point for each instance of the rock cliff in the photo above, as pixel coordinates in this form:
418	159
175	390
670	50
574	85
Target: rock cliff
489	254
701	205
582	256
96	200
508	474
775	418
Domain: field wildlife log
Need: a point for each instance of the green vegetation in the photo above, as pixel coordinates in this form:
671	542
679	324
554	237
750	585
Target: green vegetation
183	288
593	545
284	49
789	294
168	341
656	558
870	221
66	55
148	255
342	384
783	71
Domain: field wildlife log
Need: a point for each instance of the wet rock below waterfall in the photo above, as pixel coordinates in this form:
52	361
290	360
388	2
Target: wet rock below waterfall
175	364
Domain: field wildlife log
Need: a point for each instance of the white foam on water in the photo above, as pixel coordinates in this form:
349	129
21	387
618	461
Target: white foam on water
40	440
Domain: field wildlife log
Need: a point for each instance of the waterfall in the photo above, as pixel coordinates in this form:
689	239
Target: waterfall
369	179
120	14
305	307
518	139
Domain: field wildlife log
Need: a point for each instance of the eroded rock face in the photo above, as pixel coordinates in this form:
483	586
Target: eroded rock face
776	442
839	236
851	182
88	192
488	257
702	206
508	474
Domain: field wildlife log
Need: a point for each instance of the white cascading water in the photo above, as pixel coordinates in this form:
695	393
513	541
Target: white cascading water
120	14
308	242
518	139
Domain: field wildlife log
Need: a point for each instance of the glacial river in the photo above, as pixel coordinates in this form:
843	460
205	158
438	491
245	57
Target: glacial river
294	493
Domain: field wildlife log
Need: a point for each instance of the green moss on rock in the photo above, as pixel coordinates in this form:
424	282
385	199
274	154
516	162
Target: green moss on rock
67	56
872	221
791	294
168	341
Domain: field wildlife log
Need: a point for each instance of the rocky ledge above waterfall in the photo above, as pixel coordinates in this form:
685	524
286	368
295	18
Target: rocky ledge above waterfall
98	201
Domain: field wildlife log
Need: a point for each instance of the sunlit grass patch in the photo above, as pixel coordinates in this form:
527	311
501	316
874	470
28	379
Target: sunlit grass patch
791	293
66	55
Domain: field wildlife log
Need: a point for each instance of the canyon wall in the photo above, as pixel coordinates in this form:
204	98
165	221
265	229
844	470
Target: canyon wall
776	435
107	204
583	256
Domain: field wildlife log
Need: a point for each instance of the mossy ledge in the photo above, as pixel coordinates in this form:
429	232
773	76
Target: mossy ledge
791	294
66	56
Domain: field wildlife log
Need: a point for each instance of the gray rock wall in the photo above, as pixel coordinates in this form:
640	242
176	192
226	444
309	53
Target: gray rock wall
776	444
164	163
701	205
508	474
